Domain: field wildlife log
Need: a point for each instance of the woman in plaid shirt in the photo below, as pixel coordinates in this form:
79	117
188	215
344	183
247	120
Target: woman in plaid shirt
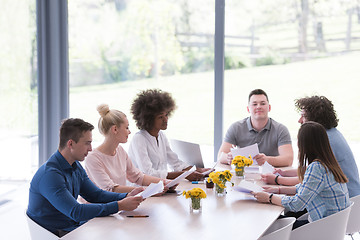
322	189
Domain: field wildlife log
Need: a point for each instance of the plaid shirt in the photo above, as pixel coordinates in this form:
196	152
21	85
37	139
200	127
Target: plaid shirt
319	193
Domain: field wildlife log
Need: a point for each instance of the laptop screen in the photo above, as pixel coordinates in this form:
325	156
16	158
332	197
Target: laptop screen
187	152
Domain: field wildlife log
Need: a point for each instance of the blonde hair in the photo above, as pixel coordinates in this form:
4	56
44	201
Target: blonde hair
109	118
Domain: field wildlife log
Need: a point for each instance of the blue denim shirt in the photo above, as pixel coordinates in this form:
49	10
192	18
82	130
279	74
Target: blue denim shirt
346	160
53	195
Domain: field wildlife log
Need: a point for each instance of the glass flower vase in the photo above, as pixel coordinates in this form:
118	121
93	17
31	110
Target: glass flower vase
195	205
219	191
239	171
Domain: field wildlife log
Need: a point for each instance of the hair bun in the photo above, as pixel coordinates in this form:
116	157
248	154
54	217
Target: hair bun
103	109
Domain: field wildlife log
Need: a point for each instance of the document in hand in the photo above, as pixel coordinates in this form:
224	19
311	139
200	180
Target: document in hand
181	177
152	189
248	187
252	150
267	168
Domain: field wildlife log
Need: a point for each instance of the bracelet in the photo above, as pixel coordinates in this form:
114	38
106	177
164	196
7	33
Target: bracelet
270	197
276	180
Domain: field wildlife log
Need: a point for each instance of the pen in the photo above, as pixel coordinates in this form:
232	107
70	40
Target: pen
197	182
138	216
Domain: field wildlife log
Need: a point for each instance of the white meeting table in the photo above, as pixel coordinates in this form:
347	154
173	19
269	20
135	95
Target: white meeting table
236	215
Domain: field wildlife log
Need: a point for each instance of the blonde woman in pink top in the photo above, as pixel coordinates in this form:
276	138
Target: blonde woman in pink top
109	166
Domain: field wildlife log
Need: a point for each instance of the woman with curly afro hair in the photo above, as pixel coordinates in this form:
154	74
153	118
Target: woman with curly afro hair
149	149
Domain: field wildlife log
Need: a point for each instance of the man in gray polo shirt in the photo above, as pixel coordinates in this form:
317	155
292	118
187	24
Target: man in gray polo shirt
272	137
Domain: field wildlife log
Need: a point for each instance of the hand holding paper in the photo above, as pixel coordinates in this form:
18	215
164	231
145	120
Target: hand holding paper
181	177
267	168
252	150
152	189
136	191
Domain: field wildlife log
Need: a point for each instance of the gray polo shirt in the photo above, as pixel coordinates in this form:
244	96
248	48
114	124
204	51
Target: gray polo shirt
269	139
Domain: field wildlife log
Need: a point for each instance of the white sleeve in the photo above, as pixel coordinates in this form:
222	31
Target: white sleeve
138	153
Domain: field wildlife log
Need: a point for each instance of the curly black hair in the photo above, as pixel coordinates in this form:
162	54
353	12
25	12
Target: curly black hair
150	103
318	109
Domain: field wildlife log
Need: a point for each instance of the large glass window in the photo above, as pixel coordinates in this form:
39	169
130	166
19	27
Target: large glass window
18	91
293	49
119	47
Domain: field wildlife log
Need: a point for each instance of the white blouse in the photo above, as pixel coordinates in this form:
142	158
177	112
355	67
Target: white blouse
152	156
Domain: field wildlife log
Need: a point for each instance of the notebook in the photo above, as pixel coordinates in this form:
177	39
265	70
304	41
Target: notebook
187	152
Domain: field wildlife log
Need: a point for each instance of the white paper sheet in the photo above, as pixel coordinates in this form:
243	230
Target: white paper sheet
252	150
248	187
267	168
181	177
152	189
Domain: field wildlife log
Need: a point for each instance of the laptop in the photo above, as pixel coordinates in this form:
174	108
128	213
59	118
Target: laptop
187	152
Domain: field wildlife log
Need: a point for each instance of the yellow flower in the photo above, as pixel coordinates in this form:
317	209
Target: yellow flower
241	161
194	193
220	178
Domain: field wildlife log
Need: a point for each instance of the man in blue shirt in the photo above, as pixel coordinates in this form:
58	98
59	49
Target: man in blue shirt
320	109
57	184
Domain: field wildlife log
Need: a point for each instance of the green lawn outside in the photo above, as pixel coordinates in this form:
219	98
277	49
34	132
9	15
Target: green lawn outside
335	77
